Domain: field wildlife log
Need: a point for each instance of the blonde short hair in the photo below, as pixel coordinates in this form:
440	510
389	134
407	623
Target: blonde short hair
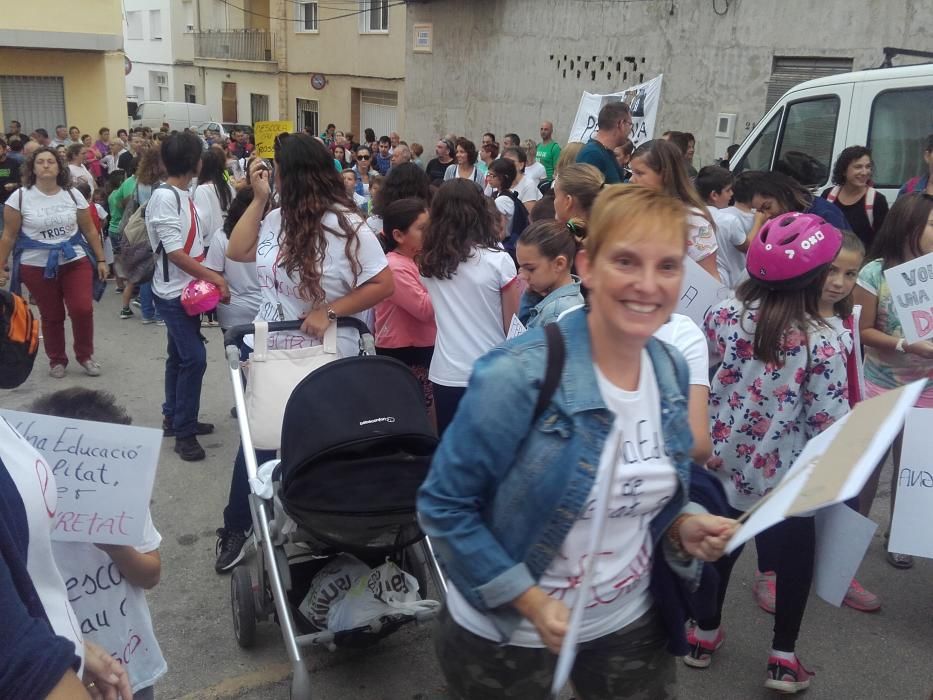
633	213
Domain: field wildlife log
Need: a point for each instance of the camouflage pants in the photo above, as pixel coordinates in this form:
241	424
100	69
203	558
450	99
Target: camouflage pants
631	664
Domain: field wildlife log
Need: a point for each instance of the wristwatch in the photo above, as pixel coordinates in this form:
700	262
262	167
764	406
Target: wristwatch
901	345
331	314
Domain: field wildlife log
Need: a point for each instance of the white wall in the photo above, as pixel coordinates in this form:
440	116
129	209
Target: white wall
259	83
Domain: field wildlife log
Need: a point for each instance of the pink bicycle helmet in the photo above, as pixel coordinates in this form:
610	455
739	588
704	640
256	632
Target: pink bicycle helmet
791	247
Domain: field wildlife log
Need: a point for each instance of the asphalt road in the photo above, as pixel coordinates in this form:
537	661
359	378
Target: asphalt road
856	656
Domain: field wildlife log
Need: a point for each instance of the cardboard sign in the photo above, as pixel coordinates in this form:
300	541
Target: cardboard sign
834	465
643	100
911	286
516	328
103	474
265	133
700	291
913	507
842	538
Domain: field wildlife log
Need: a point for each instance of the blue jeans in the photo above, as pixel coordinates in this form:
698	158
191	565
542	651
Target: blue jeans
146	304
184	366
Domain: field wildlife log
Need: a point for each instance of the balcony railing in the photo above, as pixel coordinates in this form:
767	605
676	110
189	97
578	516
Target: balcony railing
235	44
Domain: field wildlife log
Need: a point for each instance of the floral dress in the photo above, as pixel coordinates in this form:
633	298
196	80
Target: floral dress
761	414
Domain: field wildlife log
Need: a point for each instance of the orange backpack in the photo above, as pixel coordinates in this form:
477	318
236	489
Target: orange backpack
19	340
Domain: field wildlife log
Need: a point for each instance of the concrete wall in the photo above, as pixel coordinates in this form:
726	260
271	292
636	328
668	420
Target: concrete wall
494	62
88	109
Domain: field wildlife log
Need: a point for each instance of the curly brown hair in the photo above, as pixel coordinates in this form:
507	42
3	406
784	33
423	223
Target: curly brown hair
63	179
460	222
311	187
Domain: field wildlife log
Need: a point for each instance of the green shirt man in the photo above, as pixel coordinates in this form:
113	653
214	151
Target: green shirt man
548	151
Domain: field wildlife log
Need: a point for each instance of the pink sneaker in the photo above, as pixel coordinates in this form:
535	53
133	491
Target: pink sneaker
787	676
701	653
858	598
764	588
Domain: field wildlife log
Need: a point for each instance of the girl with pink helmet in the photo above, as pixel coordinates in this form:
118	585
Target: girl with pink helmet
782	381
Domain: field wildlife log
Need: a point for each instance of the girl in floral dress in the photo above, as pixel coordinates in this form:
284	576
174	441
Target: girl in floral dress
782	381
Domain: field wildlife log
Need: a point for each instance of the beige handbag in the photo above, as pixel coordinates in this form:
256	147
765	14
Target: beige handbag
273	375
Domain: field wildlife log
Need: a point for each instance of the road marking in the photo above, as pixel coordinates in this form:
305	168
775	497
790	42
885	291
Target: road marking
232	687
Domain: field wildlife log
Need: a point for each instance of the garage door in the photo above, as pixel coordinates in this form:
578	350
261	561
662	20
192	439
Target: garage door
34	101
788	71
378	111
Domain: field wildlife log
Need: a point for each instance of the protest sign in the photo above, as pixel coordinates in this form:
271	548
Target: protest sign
103	475
643	100
842	538
834	465
516	328
699	292
911	286
913	507
265	133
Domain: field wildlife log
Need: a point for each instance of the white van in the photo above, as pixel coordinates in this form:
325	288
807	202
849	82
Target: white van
178	115
890	110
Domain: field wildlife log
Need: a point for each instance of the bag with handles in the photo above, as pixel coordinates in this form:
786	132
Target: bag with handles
273	375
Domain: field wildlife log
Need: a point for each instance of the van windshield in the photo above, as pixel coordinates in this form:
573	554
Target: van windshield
140	109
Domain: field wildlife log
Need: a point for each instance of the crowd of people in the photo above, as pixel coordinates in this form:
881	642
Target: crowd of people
662	431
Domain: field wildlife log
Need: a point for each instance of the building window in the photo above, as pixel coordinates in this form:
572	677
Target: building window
191	94
155	24
259	107
374	16
134	25
158	85
187	9
306	115
307	17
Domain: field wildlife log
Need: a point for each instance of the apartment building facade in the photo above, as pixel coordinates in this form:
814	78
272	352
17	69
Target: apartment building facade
75	78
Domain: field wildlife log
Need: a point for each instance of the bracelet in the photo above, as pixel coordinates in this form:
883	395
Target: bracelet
673	533
102	261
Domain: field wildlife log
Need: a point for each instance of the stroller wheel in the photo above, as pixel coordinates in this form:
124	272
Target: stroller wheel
243	606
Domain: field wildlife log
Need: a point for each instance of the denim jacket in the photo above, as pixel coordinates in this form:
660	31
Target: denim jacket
501	496
536	310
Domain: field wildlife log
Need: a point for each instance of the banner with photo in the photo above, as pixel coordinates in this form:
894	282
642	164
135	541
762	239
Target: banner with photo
643	99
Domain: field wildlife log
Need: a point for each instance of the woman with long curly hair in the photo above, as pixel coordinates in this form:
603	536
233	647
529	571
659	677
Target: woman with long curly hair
315	257
57	251
471	282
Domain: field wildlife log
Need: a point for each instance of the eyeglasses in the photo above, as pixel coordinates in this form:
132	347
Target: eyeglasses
628	122
362	157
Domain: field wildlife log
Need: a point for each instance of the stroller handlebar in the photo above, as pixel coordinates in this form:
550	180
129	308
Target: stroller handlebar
234	336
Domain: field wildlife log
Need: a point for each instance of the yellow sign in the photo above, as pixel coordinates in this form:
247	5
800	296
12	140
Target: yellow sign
265	133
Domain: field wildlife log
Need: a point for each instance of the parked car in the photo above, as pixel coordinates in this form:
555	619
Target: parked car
225	129
887	109
178	115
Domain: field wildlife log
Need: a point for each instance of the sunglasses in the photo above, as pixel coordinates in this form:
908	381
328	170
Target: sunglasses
362	157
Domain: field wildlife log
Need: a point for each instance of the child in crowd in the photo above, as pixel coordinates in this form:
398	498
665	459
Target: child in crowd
733	226
546	251
405	326
471	280
350	180
376	183
715	186
782	381
890	361
128	571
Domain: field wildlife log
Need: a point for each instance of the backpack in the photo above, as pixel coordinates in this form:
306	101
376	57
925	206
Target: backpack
19	340
137	258
833	195
520	220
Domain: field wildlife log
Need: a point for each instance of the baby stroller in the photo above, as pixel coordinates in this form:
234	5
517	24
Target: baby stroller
356	444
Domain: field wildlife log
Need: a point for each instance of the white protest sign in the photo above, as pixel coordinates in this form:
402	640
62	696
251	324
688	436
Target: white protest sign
911	286
699	292
912	527
834	465
643	100
842	538
103	475
516	328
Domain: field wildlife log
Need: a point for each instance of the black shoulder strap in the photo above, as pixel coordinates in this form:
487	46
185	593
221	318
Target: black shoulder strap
555	367
72	195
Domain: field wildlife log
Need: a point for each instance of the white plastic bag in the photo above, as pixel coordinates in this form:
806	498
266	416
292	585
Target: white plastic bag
329	586
384	591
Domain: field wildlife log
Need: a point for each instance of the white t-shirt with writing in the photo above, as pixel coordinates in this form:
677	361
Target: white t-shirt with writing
169	220
701	237
80	172
732	227
48	219
644	481
35	483
685	335
242	280
281	299
468	313
112	612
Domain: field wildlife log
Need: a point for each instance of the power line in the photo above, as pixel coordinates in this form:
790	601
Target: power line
300	19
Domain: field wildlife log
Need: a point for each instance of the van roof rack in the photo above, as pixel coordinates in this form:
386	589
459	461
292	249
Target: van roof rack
890	52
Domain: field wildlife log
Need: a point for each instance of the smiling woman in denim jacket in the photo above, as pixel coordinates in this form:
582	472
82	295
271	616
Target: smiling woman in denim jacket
511	497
